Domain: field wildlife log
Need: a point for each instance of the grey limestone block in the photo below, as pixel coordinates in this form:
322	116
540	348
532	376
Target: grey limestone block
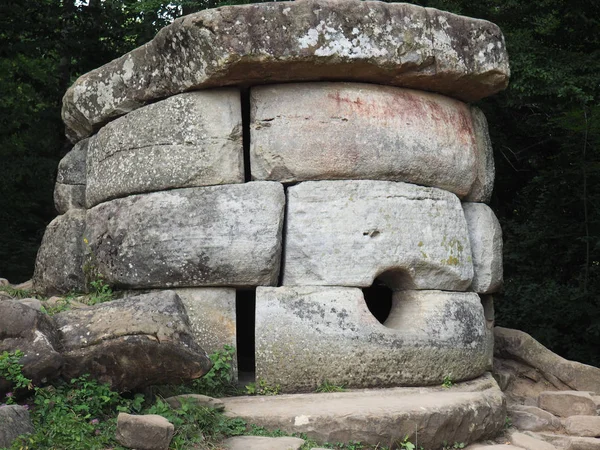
227	235
60	259
192	139
307	335
363	131
485	236
376	42
348	233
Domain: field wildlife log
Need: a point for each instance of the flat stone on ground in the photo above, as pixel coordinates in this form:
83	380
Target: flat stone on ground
262	443
468	412
587	426
567	403
570	442
530	442
348	233
531	418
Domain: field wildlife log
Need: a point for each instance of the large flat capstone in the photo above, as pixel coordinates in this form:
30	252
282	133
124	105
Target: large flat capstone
395	44
328	334
187	140
227	235
468	412
347	233
363	131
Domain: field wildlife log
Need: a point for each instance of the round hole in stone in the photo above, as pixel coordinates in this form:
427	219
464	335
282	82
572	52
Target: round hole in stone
378	298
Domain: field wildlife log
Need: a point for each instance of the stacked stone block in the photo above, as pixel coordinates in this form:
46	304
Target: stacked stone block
358	162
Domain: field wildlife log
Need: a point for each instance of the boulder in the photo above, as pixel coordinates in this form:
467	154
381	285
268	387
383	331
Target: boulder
206	236
529	442
329	334
520	346
132	343
262	443
362	131
483	184
586	426
32	332
69	196
567	403
192	139
147	432
468	412
348	233
59	262
14	422
4	282
69	191
197	400
395	44
485	236
531	418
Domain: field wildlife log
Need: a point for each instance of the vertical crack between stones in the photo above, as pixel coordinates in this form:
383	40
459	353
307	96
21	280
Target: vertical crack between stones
283	238
245	99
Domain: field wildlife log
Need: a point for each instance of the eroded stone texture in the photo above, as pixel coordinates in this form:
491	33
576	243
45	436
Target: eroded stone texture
69	196
306	335
132	343
145	432
14	422
192	139
69	191
485	236
347	233
362	131
212	316
206	236
483	185
395	44
59	262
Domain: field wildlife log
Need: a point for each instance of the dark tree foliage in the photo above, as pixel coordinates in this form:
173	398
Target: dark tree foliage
545	128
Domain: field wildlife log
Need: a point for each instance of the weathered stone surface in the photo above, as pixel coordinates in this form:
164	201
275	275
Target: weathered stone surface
34	333
467	413
192	139
14	422
347	233
362	131
203	401
485	236
262	443
328	333
4	282
68	196
59	262
529	442
147	432
567	403
517	345
570	442
530	418
588	426
72	168
205	236
483	185
32	303
396	44
493	447
133	342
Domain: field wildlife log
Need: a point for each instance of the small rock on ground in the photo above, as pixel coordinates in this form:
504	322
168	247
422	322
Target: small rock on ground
14	421
203	401
262	443
147	432
583	426
567	403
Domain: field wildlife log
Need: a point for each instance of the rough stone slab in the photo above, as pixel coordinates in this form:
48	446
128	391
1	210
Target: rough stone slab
202	401
14	422
467	413
530	442
69	196
520	346
192	139
567	403
395	44
348	233
262	443
206	236
147	432
59	262
132	343
570	442
485	236
587	426
531	418
328	334
483	185
362	131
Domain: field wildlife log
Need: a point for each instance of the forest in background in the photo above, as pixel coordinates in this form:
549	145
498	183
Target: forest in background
545	130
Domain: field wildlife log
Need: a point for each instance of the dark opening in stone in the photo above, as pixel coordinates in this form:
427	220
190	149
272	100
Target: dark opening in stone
245	310
379	300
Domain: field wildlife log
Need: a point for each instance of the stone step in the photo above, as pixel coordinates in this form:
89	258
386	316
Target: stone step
467	412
